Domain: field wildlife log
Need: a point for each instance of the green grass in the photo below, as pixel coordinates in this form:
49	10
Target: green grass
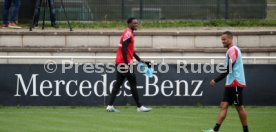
161	119
166	24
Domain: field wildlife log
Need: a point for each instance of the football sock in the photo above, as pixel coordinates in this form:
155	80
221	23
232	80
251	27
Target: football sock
217	126
245	129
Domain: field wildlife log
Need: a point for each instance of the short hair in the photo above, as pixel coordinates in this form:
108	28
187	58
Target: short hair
228	33
129	20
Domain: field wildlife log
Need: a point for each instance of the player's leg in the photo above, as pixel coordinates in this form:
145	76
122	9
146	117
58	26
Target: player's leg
240	108
223	112
119	81
226	101
221	116
243	117
133	88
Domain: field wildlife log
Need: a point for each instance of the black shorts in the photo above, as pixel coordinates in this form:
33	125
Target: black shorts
233	95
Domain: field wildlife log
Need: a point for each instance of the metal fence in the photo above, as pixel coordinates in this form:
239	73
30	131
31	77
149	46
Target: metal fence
98	10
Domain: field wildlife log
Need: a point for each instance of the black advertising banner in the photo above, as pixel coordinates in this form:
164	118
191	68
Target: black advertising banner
83	85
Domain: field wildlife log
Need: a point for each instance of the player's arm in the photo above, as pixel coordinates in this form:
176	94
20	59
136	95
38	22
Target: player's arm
137	57
222	75
124	49
148	63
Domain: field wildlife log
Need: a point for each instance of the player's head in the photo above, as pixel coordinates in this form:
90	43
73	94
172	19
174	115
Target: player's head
227	38
132	23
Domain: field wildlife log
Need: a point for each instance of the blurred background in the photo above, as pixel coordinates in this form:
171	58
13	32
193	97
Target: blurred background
156	10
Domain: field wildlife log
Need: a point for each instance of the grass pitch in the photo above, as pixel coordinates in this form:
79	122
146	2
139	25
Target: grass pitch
161	119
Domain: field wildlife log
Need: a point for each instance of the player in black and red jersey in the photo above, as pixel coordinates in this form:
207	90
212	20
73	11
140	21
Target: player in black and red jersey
124	58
